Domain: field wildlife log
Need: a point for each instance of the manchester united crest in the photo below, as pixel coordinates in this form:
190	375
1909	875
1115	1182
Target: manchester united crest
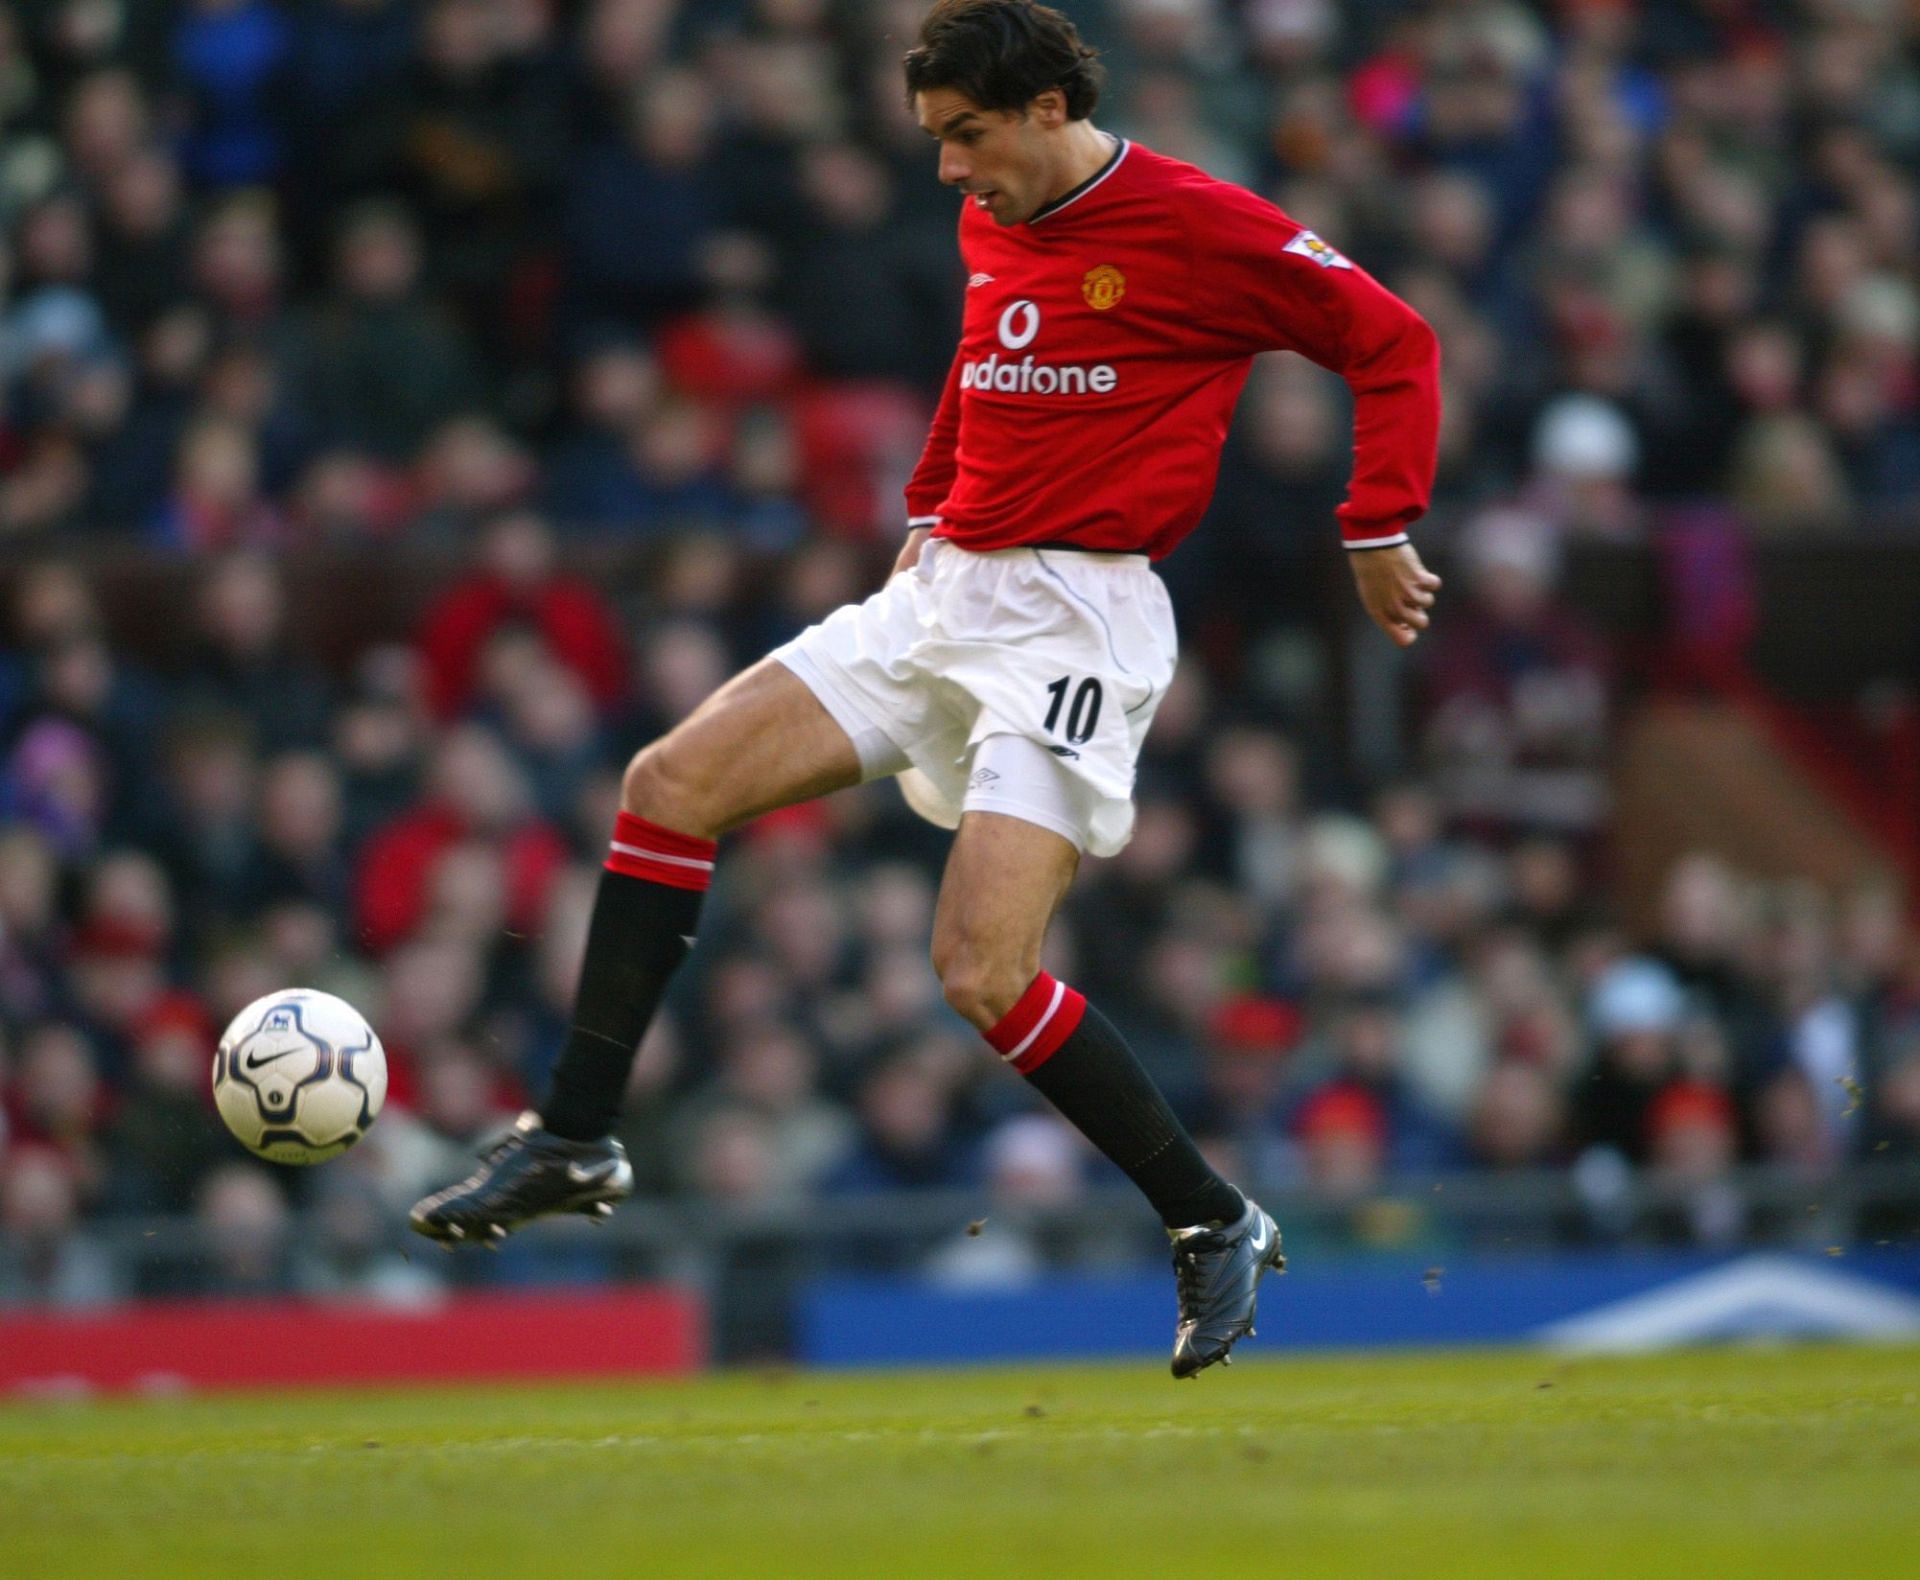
1103	286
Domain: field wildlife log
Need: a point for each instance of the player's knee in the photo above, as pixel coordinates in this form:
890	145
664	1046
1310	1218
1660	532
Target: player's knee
977	987
663	786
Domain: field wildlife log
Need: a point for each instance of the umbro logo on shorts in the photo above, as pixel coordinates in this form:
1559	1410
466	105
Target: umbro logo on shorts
981	778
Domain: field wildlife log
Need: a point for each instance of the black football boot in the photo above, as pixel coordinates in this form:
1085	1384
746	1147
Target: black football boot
527	1174
1217	1272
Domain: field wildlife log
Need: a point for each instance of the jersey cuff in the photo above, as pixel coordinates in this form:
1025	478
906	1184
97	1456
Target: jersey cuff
922	521
1390	540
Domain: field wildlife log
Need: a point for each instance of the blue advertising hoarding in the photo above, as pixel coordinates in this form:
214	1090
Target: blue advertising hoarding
1586	1302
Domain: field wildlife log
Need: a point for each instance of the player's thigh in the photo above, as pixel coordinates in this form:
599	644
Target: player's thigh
1005	878
760	742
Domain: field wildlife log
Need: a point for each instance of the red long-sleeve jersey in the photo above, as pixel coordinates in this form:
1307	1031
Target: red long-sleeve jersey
1106	340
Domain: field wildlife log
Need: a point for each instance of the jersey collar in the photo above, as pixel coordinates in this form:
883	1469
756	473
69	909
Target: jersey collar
1120	146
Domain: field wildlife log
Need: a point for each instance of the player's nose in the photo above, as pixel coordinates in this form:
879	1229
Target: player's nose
954	170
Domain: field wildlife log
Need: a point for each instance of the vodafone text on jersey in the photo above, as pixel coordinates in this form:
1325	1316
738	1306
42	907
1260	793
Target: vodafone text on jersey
1019	324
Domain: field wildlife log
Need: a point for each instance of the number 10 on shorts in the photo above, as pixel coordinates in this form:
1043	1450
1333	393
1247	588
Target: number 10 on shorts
1083	713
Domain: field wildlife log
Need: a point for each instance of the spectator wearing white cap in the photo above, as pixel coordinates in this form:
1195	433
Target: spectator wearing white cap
1584	456
1635	1009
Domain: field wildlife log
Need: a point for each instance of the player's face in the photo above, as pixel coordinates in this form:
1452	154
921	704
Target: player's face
999	158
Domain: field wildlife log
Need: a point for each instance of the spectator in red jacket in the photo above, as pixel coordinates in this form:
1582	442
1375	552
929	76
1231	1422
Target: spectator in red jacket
515	581
475	792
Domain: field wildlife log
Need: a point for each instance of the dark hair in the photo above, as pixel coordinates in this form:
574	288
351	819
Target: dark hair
1003	54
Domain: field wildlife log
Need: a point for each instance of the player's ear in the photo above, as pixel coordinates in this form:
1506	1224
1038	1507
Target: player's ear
1049	109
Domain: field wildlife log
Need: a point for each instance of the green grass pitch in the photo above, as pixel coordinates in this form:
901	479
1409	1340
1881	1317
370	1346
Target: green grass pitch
1794	1462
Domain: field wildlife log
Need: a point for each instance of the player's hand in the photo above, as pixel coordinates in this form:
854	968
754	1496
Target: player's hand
1396	589
910	550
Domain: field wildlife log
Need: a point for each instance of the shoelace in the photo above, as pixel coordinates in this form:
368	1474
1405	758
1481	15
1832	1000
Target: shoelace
1189	1280
494	1154
500	1149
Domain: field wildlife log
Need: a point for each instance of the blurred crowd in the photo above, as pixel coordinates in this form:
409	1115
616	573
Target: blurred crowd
509	277
1341	990
284	271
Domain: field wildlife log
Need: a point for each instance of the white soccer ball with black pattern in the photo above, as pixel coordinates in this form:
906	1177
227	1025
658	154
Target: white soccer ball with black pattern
299	1076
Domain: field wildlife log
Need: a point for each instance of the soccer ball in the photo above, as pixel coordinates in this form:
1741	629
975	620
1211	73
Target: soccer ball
299	1076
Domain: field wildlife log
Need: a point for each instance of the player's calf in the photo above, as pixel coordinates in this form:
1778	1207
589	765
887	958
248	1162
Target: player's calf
1074	1057
1223	1244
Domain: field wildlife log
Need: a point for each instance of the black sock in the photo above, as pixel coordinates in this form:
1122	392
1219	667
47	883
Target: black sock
1072	1055
644	917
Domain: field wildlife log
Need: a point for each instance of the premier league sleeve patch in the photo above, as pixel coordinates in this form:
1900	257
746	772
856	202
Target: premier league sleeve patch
1311	246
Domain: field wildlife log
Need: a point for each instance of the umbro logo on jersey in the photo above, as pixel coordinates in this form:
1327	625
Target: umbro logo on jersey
978	279
1308	245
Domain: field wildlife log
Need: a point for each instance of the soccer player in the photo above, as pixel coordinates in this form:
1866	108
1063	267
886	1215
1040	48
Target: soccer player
1010	666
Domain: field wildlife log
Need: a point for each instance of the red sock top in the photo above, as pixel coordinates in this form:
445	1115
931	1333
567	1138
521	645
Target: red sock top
1031	1032
646	850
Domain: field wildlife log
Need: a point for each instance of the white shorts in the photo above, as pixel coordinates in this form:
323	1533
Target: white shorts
1019	681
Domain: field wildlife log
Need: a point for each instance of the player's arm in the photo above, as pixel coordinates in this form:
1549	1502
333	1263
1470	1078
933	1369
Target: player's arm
933	475
1277	286
1390	359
